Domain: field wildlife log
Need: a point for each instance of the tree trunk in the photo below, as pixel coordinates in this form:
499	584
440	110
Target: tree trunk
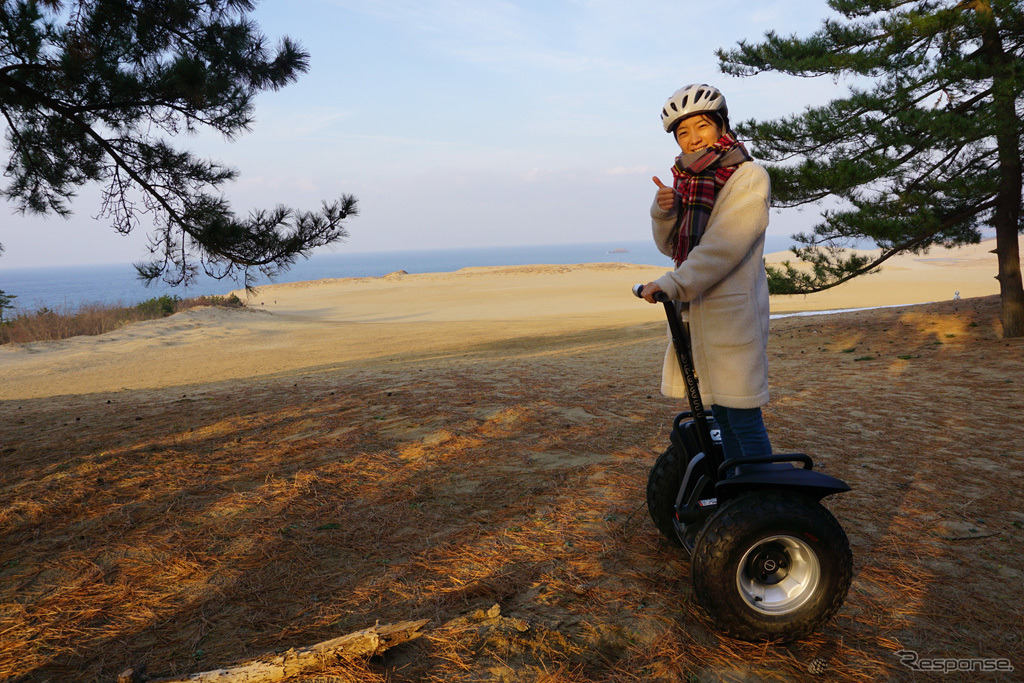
1007	212
1010	289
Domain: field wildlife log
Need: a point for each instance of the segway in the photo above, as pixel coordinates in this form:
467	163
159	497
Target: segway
768	561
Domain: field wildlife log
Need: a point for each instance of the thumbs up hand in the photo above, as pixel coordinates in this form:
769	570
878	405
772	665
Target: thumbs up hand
666	197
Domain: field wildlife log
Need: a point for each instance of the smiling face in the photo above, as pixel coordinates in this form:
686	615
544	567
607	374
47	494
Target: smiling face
697	132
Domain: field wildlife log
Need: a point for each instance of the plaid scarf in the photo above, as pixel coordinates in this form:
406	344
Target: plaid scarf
697	178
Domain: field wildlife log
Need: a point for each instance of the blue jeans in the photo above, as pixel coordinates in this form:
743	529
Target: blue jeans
743	432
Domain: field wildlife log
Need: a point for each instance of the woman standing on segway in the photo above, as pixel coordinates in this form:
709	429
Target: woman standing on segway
768	561
712	223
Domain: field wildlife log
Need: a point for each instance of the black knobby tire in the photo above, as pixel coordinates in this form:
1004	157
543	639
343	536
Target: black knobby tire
771	565
662	488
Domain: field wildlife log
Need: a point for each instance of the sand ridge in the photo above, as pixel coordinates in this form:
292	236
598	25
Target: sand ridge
309	326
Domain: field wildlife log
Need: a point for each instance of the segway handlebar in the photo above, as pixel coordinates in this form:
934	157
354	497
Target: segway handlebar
638	292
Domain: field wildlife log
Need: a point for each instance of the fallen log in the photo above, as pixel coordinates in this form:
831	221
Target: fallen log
277	667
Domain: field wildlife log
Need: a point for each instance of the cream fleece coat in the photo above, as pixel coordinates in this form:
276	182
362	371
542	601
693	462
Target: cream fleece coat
724	281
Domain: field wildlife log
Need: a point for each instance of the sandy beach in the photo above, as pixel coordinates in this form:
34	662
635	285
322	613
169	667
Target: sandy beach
472	448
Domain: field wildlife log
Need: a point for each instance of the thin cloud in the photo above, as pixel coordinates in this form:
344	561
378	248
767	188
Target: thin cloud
631	170
561	37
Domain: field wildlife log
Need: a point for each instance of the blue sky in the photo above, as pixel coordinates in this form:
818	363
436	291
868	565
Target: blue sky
464	123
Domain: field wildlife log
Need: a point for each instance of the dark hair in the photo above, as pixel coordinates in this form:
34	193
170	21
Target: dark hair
717	118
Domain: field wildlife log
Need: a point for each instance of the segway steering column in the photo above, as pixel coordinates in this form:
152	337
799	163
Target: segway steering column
681	344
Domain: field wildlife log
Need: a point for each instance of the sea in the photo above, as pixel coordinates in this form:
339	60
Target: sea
67	288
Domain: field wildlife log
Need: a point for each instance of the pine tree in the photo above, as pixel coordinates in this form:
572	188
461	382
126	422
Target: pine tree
93	91
6	301
924	150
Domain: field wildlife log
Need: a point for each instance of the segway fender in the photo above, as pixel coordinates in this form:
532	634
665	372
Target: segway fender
807	482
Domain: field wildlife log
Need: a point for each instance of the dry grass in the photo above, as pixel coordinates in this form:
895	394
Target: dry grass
63	322
194	527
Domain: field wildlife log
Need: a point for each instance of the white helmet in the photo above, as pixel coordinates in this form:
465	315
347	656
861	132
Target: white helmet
696	98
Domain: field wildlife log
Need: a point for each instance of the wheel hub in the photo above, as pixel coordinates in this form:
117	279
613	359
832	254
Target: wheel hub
770	565
778	575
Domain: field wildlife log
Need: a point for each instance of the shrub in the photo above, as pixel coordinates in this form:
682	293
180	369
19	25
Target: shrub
231	301
158	307
48	324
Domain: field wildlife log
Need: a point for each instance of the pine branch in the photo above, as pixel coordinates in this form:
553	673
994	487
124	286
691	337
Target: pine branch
85	128
28	67
84	84
794	282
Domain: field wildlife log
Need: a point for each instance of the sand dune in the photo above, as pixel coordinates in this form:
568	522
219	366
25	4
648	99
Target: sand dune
329	324
905	279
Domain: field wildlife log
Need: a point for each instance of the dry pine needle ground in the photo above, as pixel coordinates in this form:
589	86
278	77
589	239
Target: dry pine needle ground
189	528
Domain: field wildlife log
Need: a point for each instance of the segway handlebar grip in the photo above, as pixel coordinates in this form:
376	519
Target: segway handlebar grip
638	292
